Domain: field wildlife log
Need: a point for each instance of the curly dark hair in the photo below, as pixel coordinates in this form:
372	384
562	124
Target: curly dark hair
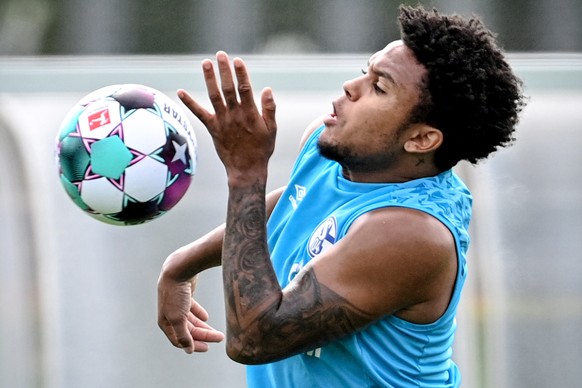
470	93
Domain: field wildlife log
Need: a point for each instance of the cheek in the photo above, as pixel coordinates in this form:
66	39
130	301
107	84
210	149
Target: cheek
385	121
377	123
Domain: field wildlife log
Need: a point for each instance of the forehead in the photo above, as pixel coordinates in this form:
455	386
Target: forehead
397	60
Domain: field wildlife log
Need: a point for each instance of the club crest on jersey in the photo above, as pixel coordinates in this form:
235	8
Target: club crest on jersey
322	237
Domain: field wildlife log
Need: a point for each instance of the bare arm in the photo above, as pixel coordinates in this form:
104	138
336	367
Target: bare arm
394	261
266	323
180	317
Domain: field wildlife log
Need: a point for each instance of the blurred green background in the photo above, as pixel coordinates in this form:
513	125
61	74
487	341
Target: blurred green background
60	27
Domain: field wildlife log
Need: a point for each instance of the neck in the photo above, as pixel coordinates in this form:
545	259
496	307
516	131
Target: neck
393	174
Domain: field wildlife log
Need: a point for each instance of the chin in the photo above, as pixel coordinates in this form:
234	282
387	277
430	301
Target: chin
330	151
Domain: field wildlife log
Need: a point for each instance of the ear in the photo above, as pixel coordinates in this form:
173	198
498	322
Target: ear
423	138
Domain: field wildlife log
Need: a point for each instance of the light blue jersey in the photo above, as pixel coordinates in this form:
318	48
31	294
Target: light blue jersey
315	212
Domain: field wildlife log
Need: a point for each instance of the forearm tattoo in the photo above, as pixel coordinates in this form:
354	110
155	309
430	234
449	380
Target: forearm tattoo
264	323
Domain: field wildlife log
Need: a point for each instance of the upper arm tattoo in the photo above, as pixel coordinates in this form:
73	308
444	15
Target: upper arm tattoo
310	315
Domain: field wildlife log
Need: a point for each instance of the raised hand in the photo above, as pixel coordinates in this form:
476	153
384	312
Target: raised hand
244	138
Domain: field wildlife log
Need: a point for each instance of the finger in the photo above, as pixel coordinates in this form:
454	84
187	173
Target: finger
201	336
178	334
200	330
226	79
205	334
245	89
198	311
269	109
212	86
200	347
195	321
203	115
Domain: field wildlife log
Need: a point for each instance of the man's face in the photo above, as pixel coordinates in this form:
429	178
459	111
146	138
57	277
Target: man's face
365	131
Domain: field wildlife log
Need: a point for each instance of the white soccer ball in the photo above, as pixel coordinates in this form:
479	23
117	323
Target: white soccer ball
126	154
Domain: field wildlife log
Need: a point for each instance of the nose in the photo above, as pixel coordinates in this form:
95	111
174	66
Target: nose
352	89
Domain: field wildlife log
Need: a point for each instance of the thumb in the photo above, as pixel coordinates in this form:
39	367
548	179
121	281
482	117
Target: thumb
269	107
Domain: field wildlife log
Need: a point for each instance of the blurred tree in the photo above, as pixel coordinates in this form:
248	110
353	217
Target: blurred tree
256	26
234	26
89	27
536	25
288	26
161	27
23	24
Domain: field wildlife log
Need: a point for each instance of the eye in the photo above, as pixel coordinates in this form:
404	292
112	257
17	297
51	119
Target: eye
377	88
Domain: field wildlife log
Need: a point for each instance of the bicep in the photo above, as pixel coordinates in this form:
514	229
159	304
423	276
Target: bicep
391	260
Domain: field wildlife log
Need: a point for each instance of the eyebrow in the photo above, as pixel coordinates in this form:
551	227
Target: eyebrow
383	74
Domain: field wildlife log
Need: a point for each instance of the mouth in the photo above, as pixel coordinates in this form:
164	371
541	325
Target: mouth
331	118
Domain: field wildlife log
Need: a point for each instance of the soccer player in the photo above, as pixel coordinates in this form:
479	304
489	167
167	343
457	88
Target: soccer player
350	276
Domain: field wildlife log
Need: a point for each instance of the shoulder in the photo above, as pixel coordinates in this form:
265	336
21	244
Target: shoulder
403	224
404	236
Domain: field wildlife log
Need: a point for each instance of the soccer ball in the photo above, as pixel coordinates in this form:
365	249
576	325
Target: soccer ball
126	154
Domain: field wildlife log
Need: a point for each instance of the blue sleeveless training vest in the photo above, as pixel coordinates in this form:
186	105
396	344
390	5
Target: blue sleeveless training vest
315	211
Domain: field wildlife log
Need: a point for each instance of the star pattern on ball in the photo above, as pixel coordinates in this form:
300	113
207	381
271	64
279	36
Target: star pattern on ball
180	150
